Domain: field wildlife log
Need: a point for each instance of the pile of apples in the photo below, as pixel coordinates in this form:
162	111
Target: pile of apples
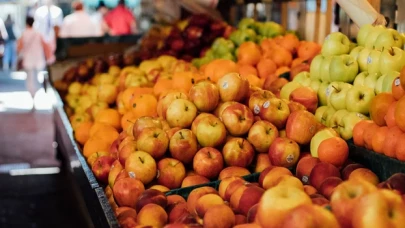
384	133
318	195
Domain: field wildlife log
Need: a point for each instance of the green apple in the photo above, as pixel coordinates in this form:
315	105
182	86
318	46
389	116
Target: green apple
247	23
324	70
302	77
336	118
387	39
388	80
337	97
392	59
319	137
319	113
358	99
315	85
336	43
323	93
222	46
373	62
348	122
359	80
315	67
327	115
371	80
373	35
343	68
379	84
356	52
288	88
363	33
352	46
362	59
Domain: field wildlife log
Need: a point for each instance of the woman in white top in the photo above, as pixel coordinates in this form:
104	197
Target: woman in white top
33	51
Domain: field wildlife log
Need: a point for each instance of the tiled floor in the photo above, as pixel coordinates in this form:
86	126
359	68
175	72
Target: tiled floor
26	141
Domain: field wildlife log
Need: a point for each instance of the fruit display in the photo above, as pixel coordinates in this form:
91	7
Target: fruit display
318	194
385	132
258	100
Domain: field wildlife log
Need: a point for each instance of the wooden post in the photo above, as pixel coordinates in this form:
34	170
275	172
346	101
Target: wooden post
317	20
376	4
302	19
328	17
284	14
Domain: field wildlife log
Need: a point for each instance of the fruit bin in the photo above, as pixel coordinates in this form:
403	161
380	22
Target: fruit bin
92	199
381	165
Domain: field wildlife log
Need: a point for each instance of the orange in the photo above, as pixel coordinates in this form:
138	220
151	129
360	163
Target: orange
97	126
334	151
379	107
183	80
377	142
297	62
390	116
267	44
265	67
162	85
391	140
400	113
127	119
397	90
95	144
290	42
368	134
218	68
132	92
254	80
249	53
400	150
282	70
358	132
82	132
144	105
308	50
105	132
245	70
109	116
281	56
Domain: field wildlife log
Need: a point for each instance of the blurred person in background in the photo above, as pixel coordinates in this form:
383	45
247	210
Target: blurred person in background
3	36
79	23
10	47
98	18
32	8
48	19
34	52
121	21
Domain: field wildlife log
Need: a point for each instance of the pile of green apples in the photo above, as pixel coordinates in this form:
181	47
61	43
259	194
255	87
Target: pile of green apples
248	30
347	76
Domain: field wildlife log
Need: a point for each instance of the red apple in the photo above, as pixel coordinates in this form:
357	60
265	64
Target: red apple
232	87
210	132
237	119
276	111
101	168
183	146
205	96
305	96
127	191
261	135
238	152
142	166
208	162
284	152
154	141
257	99
145	122
151	196
171	172
301	126
181	113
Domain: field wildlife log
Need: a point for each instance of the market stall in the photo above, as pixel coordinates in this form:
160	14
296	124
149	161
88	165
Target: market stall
238	120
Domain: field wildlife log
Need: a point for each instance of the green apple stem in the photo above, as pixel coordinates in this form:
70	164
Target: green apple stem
336	88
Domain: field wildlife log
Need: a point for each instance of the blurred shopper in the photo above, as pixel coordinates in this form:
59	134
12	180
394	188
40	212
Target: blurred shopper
120	20
78	24
34	52
32	8
10	47
48	19
98	18
3	36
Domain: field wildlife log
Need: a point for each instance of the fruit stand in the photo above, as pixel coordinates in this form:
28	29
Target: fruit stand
248	118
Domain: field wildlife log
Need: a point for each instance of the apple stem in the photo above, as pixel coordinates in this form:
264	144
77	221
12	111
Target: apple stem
140	159
181	135
336	88
209	154
241	143
392	51
130	121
